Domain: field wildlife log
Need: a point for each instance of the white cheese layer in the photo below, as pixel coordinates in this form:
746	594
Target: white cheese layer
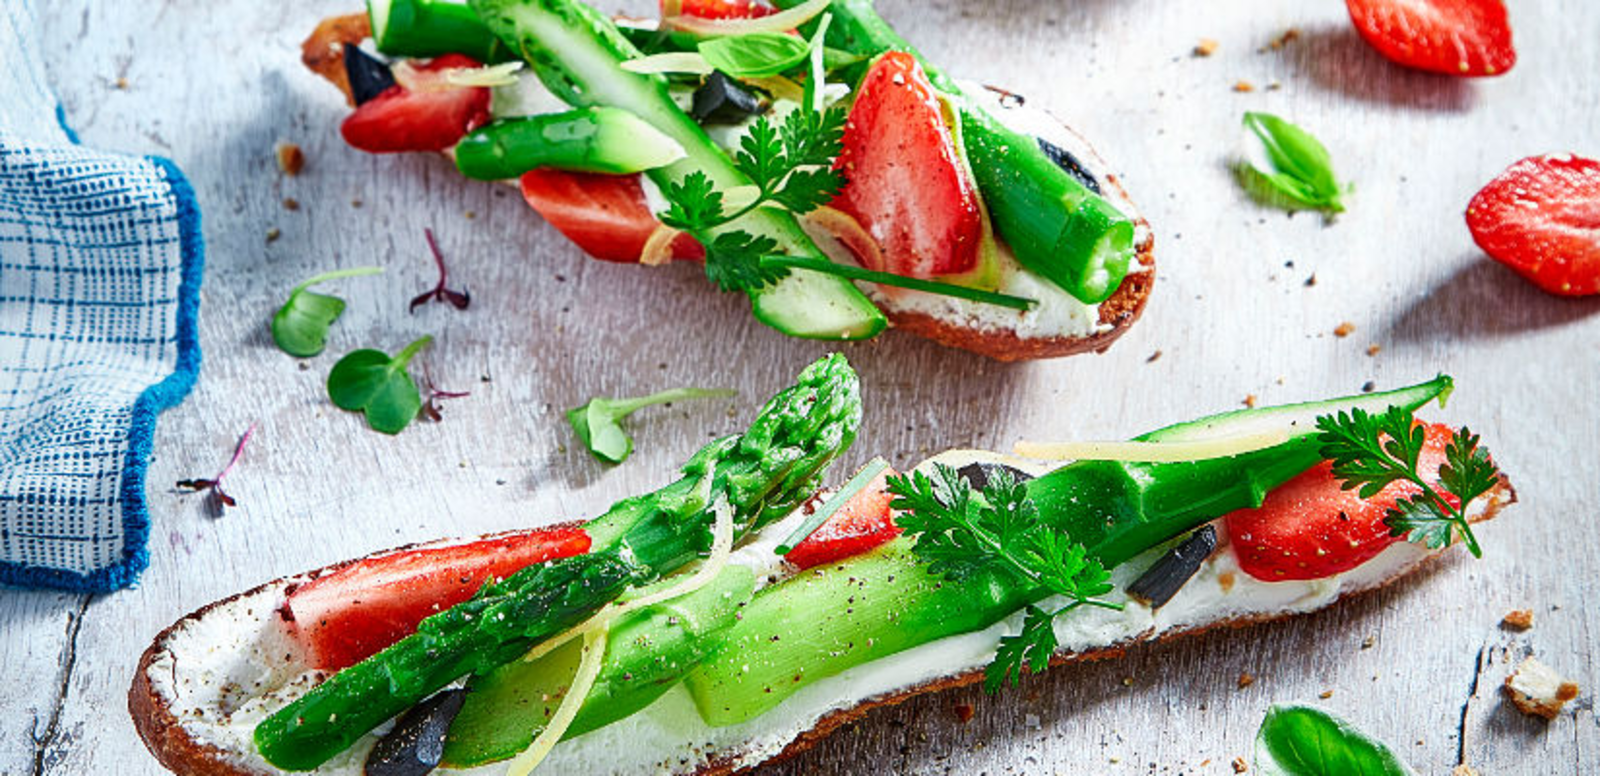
227	670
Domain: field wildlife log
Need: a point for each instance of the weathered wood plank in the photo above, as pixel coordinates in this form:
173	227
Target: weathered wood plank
548	329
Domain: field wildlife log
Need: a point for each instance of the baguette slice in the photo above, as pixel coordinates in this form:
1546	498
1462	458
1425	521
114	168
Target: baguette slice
1059	326
205	680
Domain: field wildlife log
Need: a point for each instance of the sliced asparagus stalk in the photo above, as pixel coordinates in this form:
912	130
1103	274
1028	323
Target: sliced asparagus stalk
603	140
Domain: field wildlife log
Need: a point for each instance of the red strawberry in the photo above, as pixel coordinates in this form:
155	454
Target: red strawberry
423	112
1310	527
864	522
905	183
346	616
1454	37
606	215
716	9
1541	218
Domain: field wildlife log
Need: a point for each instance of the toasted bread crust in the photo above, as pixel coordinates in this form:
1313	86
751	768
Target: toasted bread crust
323	53
177	748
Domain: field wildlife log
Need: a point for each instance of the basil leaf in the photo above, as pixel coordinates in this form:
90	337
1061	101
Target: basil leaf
1307	741
1291	169
755	55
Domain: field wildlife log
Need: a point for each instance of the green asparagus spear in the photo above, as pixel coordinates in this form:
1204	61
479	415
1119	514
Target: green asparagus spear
578	53
762	474
603	140
428	28
1056	227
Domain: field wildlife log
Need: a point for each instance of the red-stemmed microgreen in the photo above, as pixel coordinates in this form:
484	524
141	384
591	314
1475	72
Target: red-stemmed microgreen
213	486
440	292
430	403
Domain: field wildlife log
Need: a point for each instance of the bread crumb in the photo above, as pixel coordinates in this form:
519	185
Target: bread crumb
291	160
1127	681
1367	642
1243	86
1312	280
1536	689
355	202
273	234
1249	400
1245	680
1239	765
1325	694
1289	36
1463	770
1344	329
1518	619
1153	357
1374	349
121	82
1206	47
964	712
290	203
470	214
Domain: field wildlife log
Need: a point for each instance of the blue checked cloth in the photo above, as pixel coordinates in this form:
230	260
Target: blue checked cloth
100	258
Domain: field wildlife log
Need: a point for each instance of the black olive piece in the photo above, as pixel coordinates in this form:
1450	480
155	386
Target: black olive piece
721	100
977	474
1158	585
1066	161
369	76
416	743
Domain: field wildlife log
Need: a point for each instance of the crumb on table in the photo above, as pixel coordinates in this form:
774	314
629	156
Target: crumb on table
1536	689
1518	619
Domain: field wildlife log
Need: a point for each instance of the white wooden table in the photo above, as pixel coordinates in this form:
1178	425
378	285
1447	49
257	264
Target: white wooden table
214	85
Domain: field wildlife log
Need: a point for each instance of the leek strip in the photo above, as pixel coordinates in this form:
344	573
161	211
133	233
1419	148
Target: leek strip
782	21
594	652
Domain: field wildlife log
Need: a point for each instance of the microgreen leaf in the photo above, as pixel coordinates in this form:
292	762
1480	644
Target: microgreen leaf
1308	741
370	382
220	499
598	422
1289	167
430	402
300	327
1369	452
960	533
754	55
440	292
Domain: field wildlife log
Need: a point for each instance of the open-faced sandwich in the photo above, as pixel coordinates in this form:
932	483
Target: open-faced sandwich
809	156
739	614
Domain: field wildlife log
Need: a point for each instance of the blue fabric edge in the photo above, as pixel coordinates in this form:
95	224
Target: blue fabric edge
142	427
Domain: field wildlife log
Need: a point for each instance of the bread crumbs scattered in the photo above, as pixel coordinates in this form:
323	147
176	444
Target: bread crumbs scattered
1536	689
1243	86
1289	36
291	160
273	234
1518	619
1206	47
1245	680
1249	401
1344	329
1239	765
290	203
1374	349
1325	694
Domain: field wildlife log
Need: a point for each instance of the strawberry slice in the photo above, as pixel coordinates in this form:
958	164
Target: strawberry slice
862	523
905	183
1541	218
606	215
423	112
1454	37
1310	527
346	616
716	9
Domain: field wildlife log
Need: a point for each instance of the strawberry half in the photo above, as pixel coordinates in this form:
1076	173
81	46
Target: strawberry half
348	615
862	523
904	181
1541	218
1454	37
423	112
1310	527
606	215
716	9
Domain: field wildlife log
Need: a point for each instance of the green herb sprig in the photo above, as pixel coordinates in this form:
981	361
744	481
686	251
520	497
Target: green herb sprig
1307	741
300	327
1371	451
960	532
371	382
598	422
1293	169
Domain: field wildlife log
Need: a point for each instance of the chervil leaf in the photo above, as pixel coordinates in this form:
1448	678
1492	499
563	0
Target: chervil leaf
733	261
760	155
1467	471
813	138
1419	520
694	205
806	190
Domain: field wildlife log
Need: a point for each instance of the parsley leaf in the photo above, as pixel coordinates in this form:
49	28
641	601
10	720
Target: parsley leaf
961	533
1369	452
693	204
734	261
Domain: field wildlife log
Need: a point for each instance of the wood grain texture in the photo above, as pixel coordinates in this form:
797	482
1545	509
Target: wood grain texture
215	85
